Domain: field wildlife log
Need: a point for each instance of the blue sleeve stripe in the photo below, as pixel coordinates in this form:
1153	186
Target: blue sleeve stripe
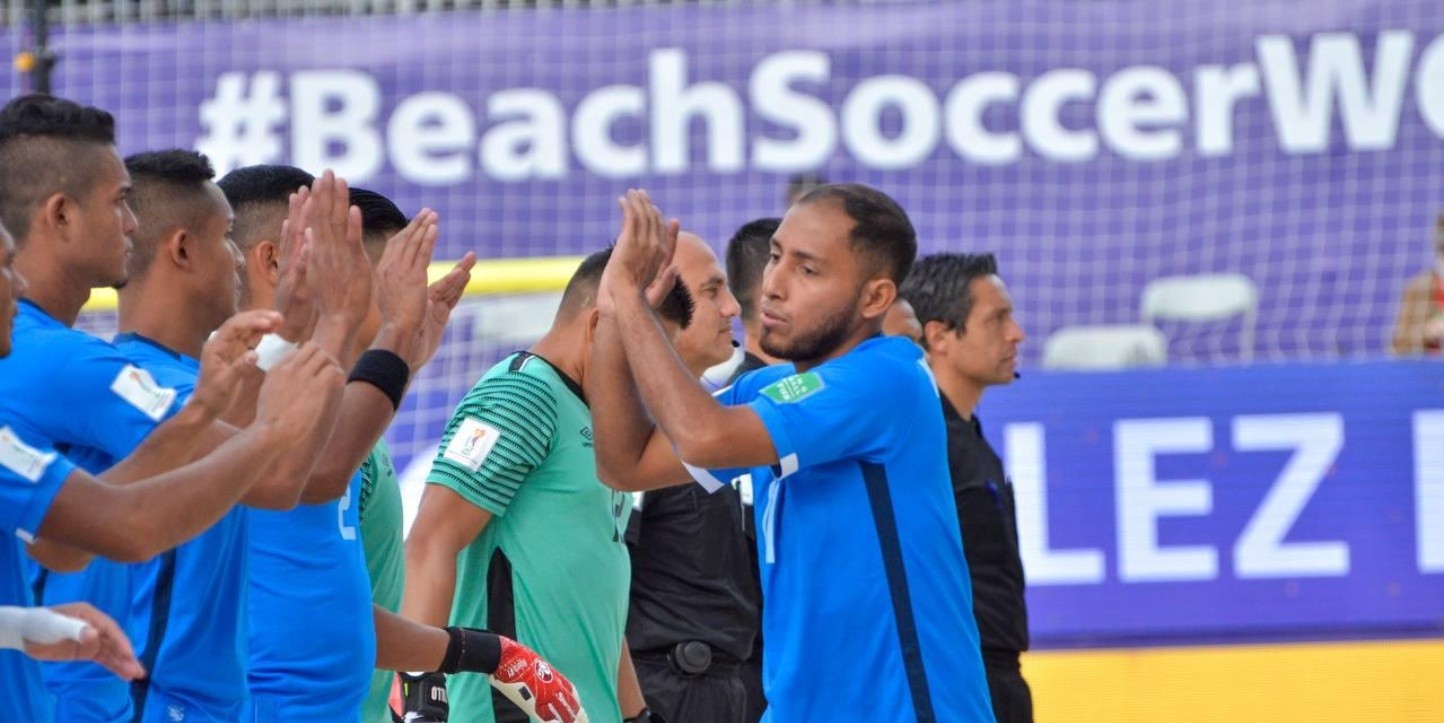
874	476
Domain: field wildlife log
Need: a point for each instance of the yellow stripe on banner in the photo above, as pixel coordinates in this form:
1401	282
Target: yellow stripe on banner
492	276
1394	681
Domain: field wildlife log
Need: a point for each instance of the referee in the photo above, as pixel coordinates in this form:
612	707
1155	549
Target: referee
972	342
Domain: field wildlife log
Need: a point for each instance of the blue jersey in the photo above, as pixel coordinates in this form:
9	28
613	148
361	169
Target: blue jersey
29	481
867	605
312	635
194	598
71	391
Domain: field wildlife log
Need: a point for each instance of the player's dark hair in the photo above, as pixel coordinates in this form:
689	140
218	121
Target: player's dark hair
47	146
881	232
581	291
381	218
162	183
747	256
940	287
255	192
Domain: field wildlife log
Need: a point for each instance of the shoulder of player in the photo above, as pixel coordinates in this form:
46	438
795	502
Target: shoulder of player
532	394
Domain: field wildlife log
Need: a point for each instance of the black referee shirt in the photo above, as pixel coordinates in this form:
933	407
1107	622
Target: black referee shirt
693	570
989	520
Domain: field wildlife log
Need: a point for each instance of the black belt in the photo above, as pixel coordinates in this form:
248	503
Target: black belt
692	658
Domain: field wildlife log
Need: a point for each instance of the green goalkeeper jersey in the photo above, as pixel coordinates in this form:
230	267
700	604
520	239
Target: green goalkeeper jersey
551	568
385	558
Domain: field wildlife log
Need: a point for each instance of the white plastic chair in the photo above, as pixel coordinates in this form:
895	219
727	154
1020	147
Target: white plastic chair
1104	347
1202	298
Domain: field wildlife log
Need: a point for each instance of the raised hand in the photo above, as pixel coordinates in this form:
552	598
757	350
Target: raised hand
293	294
441	299
644	248
339	274
296	390
401	293
227	358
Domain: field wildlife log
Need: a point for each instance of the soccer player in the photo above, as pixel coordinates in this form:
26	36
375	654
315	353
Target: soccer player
137	509
864	585
63	189
515	533
972	339
694	600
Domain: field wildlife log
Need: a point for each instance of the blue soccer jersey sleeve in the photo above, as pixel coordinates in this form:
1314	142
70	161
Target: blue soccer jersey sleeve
122	403
29	480
828	413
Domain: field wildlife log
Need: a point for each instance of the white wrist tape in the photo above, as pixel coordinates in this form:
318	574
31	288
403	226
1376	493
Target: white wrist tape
19	626
271	351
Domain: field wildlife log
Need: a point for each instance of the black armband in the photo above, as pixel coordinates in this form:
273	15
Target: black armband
471	651
385	371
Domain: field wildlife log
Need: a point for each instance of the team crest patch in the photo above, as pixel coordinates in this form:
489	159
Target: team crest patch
794	388
472	443
22	459
140	390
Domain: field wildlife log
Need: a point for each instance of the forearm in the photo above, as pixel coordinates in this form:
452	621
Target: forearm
430	586
135	522
621	424
403	644
629	689
362	415
686	414
179	440
57	557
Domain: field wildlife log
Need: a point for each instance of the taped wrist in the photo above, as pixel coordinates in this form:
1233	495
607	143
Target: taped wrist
271	351
385	371
19	626
471	651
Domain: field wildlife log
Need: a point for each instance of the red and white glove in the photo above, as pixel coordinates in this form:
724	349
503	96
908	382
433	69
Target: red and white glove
535	686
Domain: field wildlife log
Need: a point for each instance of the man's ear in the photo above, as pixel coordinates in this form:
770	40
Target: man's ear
937	335
594	317
56	213
877	298
266	255
179	245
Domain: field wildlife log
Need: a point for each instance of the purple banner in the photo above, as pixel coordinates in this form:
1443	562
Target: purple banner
1095	146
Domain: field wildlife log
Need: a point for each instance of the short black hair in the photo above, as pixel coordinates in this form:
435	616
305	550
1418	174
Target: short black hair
163	182
581	291
747	255
881	231
940	287
381	218
255	192
43	140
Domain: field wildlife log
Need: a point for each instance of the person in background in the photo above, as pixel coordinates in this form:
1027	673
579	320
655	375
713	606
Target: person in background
971	339
1419	328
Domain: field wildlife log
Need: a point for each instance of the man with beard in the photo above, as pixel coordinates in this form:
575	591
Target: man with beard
865	590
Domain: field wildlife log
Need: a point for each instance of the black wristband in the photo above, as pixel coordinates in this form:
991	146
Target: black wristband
385	371
471	651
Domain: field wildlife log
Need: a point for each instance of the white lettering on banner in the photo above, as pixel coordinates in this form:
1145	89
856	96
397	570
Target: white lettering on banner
1042	565
430	135
1429	488
333	109
675	104
1143	499
1139	113
1303	107
806	117
1261	550
1218	89
532	142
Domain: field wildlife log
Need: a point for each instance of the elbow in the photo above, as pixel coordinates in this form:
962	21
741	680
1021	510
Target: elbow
619	480
325	485
132	548
702	448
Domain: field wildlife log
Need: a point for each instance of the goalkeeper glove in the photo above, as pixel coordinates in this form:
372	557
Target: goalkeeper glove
534	686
